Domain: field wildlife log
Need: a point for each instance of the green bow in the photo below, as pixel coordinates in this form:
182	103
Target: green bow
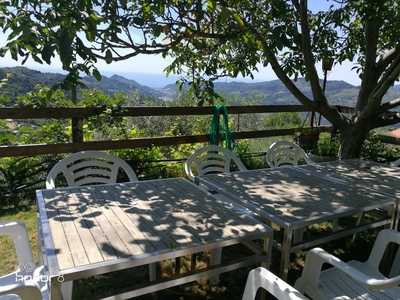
217	129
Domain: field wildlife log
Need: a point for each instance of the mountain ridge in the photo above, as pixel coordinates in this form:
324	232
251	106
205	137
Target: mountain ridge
22	80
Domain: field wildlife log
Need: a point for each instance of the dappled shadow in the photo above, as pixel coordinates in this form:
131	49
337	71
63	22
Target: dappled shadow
363	175
300	194
139	219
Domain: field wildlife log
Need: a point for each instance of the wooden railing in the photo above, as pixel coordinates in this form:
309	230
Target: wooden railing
78	115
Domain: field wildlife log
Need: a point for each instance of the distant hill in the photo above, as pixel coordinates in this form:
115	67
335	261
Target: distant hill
22	80
274	92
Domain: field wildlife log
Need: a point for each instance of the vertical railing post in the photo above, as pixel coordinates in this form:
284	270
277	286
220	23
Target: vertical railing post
77	123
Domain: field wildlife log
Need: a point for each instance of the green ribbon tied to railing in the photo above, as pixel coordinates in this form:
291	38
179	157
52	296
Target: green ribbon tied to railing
218	130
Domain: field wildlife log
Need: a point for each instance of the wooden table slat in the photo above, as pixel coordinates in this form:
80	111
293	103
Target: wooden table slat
108	222
74	241
114	245
290	196
90	217
361	174
83	227
61	246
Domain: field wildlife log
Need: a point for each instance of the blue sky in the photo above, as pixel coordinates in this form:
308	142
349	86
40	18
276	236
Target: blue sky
153	64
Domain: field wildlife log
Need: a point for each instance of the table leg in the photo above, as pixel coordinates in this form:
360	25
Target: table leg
39	239
285	254
267	249
66	290
55	289
215	259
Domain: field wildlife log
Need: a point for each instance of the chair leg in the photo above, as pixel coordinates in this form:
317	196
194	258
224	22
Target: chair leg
215	259
66	290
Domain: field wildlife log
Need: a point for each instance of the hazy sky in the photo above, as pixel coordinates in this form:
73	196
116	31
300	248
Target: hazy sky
154	64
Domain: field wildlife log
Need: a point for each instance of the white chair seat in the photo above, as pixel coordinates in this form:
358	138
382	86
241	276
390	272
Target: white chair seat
334	284
353	280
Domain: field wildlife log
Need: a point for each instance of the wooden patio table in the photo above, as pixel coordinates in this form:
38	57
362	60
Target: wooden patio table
294	197
87	231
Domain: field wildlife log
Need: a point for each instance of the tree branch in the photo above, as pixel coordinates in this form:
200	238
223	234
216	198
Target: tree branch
288	82
387	59
386	82
369	76
330	113
375	99
307	52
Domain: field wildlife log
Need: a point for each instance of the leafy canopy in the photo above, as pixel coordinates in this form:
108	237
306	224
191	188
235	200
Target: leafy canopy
207	39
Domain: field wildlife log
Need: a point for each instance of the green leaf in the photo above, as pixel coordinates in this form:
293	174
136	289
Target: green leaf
47	53
65	40
96	74
14	52
109	57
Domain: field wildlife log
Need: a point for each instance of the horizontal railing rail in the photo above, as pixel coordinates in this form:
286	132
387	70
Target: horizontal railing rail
31	150
142	111
79	114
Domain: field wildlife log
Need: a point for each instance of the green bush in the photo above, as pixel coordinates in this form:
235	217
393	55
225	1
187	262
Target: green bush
327	146
374	149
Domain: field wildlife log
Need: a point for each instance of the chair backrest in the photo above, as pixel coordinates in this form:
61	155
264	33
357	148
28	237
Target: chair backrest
384	238
262	278
285	153
211	159
88	168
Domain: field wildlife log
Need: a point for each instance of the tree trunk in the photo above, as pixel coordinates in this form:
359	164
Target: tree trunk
351	141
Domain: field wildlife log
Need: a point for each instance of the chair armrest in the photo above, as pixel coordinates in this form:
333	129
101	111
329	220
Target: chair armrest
19	235
26	291
317	257
262	278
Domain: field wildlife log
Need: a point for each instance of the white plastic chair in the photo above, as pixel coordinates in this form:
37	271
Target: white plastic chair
28	282
262	278
352	280
88	168
211	159
285	153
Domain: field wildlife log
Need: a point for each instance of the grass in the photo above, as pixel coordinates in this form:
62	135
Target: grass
231	285
26	215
